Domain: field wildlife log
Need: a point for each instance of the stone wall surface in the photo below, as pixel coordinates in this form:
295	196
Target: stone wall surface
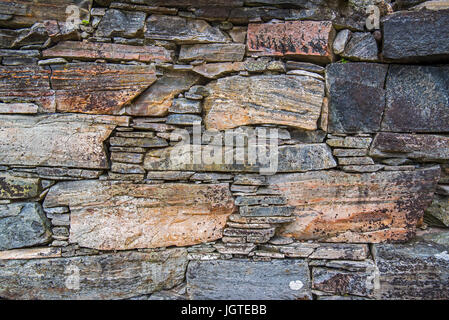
244	149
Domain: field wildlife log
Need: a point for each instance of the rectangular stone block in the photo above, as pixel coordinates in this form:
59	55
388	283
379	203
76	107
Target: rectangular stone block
308	40
121	216
16	187
213	52
334	206
417	99
56	140
274	99
108	276
108	51
230	280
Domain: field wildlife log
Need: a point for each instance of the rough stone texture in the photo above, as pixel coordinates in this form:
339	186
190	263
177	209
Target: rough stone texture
120	216
215	70
223	280
341	40
19	108
108	51
417	99
357	96
416	270
30	253
23	225
422	147
99	88
296	158
229	52
277	99
16	187
311	40
185	106
116	23
341	207
158	98
361	47
56	140
439	209
108	276
182	30
416	36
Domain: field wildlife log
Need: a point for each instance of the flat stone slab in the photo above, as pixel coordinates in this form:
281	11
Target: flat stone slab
108	276
226	52
417	99
416	36
14	187
23	224
56	140
121	216
271	99
310	40
334	206
248	280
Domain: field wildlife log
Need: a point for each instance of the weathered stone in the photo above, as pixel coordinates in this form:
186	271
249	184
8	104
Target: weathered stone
362	168
182	30
108	51
272	211
350	152
311	40
341	251
116	23
423	147
13	187
216	70
127	157
211	177
184	119
341	40
355	161
235	248
276	99
48	62
249	179
416	36
357	96
158	98
18	108
56	140
99	88
406	4
432	5
59	173
417	99
361	47
226	52
138	142
350	142
27	84
26	12
296	158
305	73
23	225
259	200
127	168
417	270
344	282
183	105
296	65
31	253
372	207
439	209
279	280
169	175
120	275
151	216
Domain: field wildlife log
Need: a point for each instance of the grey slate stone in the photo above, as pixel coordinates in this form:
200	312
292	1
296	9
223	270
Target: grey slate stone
23	225
357	96
116	23
183	105
417	99
416	36
361	47
248	280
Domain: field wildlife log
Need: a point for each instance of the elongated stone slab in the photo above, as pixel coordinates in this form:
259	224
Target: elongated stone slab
310	40
56	140
99	88
27	84
229	52
182	30
108	51
424	147
23	224
417	99
108	276
121	216
416	36
334	206
296	158
30	253
275	99
13	187
223	279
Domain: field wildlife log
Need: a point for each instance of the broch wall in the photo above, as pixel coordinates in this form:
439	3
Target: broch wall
194	149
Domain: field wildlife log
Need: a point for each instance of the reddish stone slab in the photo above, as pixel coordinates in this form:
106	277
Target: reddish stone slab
309	40
109	51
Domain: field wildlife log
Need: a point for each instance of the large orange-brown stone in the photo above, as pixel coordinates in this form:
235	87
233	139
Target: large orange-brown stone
309	40
109	51
99	88
335	206
121	216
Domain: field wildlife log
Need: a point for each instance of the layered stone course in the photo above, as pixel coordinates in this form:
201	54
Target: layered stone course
267	149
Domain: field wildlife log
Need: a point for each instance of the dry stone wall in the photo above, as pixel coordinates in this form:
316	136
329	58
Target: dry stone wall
194	149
